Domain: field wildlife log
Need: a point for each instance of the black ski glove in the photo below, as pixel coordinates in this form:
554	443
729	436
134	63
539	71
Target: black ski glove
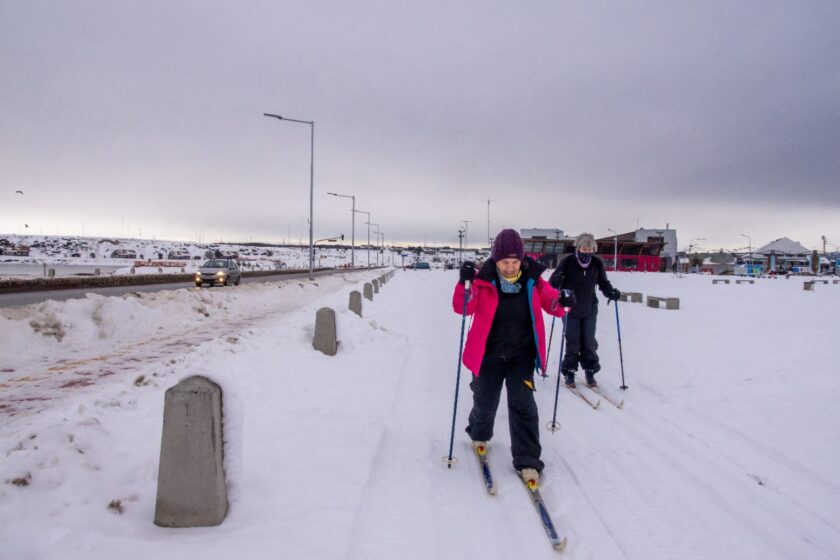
614	295
467	272
567	298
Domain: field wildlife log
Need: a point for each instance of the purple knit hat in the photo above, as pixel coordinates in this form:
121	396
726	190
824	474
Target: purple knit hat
508	245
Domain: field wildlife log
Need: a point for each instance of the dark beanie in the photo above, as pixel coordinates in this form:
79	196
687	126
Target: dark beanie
508	245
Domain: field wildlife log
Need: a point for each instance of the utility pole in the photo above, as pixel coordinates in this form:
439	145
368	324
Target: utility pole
466	230
489	239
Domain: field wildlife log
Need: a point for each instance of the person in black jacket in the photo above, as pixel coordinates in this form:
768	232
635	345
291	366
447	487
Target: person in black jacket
581	272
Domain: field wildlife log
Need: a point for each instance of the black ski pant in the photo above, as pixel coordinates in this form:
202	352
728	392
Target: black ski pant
523	417
581	346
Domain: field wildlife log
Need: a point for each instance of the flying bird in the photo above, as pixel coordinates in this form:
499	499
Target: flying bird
18	192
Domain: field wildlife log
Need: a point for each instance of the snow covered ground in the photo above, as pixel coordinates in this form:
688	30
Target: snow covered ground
727	447
68	255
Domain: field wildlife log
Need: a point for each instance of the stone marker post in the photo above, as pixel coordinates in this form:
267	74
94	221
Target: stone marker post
368	291
356	302
191	488
325	333
375	284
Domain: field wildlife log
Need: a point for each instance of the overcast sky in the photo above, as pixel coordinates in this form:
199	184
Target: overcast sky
715	117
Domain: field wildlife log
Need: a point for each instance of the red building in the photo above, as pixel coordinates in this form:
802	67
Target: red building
633	255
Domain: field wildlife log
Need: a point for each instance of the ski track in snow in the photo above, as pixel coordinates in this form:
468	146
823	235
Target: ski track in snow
682	471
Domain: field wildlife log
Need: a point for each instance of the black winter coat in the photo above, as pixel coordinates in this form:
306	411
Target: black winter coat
570	275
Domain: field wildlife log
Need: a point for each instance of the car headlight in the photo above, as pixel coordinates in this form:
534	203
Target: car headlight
220	274
198	276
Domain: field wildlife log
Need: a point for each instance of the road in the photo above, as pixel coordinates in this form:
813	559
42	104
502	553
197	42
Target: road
18	299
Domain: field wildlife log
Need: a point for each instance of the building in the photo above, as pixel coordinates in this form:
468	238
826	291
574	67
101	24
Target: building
635	251
784	255
668	236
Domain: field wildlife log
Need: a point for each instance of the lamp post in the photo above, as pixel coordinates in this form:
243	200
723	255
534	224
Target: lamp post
311	186
368	225
353	227
749	240
332	239
461	235
377	242
615	249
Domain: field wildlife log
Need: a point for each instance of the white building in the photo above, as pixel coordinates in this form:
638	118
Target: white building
666	234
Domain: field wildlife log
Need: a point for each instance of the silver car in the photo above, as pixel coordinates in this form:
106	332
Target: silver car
218	271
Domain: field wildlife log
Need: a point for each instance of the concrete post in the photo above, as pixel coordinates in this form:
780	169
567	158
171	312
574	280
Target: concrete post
375	284
325	332
97	272
356	302
51	273
191	488
368	289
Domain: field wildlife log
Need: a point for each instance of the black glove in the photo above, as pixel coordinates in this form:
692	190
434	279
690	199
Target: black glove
613	295
467	272
567	298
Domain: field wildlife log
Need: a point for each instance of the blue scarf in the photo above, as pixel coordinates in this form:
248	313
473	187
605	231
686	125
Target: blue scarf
583	259
510	287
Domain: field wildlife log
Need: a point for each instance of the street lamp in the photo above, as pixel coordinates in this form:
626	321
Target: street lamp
311	186
353	226
377	242
749	240
368	241
615	249
332	239
382	247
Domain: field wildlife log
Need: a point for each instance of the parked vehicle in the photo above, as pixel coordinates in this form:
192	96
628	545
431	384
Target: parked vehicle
422	266
218	271
124	254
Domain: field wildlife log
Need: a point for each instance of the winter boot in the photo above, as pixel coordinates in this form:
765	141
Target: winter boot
530	476
569	377
590	378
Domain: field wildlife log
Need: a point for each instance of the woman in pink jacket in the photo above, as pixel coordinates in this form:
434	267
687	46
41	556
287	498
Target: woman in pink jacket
506	343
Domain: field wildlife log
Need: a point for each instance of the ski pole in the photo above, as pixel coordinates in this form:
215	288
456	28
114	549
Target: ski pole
548	351
620	353
449	460
553	425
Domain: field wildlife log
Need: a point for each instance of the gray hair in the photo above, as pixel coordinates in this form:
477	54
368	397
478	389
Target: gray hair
586	240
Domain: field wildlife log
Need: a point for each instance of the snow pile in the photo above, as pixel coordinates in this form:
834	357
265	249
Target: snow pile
727	446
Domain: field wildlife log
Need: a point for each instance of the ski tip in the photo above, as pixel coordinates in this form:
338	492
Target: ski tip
561	545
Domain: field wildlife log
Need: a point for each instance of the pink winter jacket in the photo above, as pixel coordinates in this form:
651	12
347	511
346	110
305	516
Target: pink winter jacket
482	303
